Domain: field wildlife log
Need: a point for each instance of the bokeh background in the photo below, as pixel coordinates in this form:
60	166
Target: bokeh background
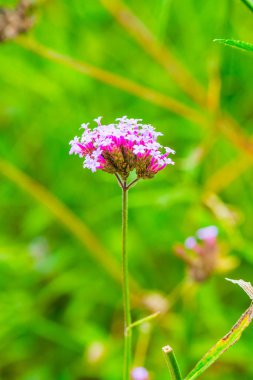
60	236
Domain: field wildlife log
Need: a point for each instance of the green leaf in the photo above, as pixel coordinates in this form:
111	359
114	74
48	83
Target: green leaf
229	339
249	4
236	44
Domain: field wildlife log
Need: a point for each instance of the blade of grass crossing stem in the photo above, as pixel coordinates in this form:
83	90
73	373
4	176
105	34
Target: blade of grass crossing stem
249	4
236	44
229	339
144	320
172	363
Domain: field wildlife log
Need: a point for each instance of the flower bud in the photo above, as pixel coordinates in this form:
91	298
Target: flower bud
139	373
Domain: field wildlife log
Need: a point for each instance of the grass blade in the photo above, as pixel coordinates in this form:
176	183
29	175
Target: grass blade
249	4
236	44
229	339
222	345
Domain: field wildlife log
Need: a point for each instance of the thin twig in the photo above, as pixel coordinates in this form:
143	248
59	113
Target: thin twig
229	127
119	180
142	344
131	184
214	88
68	219
144	320
228	173
116	81
156	50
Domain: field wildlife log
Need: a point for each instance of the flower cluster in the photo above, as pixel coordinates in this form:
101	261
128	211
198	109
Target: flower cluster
207	235
200	253
205	255
122	147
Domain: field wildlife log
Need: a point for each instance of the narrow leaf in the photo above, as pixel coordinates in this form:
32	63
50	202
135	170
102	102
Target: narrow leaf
229	339
236	44
249	4
246	286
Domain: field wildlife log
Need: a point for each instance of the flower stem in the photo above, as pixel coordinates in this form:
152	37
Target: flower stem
172	363
132	183
119	180
126	299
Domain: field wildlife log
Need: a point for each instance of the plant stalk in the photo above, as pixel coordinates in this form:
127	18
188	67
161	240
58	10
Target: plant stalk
172	363
126	298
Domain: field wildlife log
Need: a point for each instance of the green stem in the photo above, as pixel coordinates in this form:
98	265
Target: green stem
172	363
249	4
126	299
132	183
119	180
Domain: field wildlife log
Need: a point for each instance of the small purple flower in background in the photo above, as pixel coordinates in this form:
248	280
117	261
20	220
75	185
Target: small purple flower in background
203	254
190	242
122	147
139	373
208	234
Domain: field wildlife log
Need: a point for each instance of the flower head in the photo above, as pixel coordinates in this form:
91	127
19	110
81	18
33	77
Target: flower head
122	147
208	234
139	373
204	254
200	253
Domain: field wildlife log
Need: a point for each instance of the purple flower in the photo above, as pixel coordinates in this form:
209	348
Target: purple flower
190	242
122	147
139	373
201	253
207	233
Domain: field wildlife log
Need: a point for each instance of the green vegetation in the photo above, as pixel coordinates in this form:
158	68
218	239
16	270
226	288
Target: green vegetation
61	312
236	44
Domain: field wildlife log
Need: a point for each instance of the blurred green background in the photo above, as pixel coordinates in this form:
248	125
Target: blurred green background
60	236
